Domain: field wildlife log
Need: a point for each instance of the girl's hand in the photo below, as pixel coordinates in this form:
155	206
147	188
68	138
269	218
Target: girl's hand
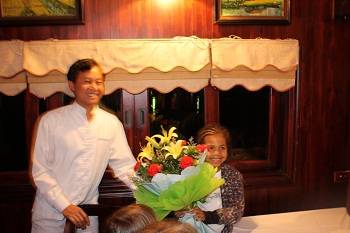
197	213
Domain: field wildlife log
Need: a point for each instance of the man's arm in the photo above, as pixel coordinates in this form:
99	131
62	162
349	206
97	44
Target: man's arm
45	181
122	160
43	178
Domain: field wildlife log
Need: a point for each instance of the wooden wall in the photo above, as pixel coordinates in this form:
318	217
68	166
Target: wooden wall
323	141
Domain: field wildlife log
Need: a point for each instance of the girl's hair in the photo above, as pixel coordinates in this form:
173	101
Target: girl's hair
79	66
211	129
168	226
129	219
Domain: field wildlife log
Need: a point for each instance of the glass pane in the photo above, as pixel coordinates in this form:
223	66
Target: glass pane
179	108
113	103
67	99
12	137
43	103
245	113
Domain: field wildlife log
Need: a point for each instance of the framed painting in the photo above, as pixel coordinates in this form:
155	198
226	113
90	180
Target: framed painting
41	12
252	11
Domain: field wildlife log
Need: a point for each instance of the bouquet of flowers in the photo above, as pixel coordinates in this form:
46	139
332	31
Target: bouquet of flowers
171	174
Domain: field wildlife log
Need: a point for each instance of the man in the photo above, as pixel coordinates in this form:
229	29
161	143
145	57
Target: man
73	146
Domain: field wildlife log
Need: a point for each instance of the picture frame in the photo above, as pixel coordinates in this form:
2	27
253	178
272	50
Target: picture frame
38	12
252	11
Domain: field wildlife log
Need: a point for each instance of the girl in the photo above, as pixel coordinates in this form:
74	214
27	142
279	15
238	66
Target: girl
224	207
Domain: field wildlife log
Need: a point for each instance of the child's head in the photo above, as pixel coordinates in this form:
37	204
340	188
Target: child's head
168	226
218	140
130	219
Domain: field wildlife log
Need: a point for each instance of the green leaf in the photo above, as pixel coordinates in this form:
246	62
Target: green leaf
143	196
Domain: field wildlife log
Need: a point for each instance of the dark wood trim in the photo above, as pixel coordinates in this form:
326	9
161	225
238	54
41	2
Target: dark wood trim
277	120
141	118
31	115
291	137
128	108
211	105
348	198
16	186
113	191
54	101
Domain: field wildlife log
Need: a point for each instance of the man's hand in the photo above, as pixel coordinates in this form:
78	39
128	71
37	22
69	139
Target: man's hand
77	216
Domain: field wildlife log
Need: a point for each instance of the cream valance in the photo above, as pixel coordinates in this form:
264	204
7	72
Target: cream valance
163	64
133	65
12	79
133	56
11	58
192	81
14	85
254	63
164	82
52	82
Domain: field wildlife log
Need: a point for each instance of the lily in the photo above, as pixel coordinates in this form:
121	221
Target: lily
167	136
146	152
174	149
153	142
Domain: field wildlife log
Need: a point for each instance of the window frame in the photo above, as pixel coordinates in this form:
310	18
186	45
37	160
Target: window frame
279	167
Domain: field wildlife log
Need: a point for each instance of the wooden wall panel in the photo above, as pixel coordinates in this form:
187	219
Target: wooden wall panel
127	19
16	198
323	142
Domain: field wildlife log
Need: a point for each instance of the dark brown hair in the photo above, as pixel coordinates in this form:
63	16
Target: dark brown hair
168	226
129	219
79	66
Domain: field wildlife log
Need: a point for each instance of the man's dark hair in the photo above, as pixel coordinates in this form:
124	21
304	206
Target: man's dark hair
81	65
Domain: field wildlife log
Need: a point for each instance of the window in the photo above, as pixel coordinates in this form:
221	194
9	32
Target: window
179	108
246	114
262	124
113	103
13	134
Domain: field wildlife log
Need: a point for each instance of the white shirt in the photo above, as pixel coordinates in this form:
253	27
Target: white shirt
71	155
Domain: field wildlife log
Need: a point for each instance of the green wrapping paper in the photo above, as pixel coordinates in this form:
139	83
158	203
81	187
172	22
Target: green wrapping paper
181	194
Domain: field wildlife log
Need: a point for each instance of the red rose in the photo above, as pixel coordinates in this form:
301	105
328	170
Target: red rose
154	169
186	161
201	147
137	166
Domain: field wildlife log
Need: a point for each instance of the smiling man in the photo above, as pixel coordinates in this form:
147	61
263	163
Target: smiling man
73	146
